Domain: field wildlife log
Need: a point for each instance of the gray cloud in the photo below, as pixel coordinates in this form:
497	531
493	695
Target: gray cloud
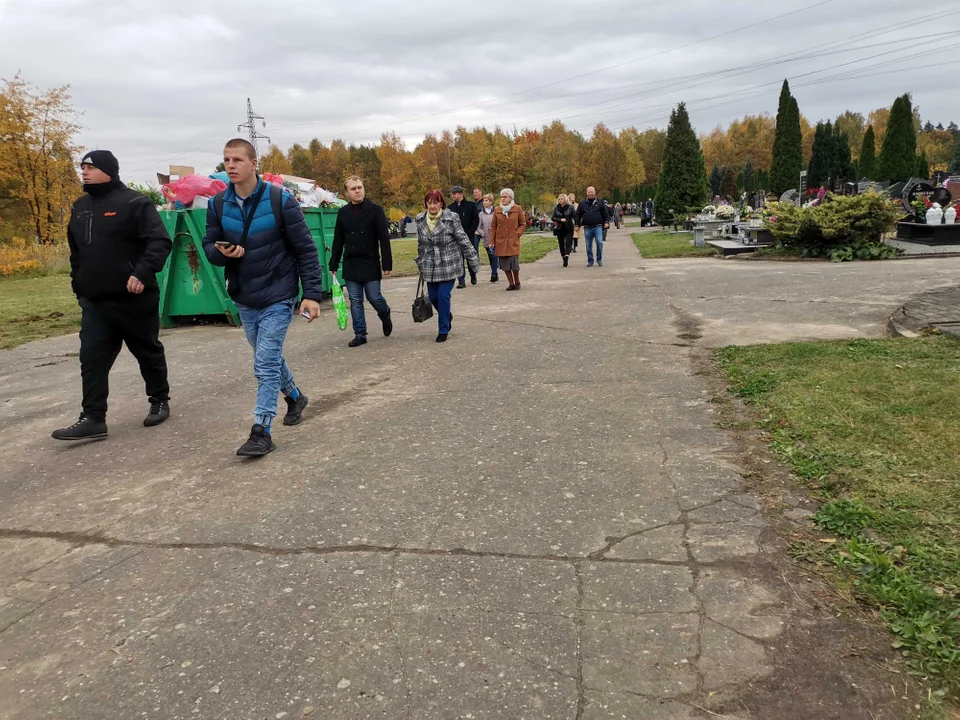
163	83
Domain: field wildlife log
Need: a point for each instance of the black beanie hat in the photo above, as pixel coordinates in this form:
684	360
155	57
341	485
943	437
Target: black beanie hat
103	160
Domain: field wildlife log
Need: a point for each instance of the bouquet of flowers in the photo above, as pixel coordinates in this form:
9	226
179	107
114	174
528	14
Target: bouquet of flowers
725	212
708	210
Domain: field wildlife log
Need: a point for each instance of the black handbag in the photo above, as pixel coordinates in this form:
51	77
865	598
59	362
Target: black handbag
422	309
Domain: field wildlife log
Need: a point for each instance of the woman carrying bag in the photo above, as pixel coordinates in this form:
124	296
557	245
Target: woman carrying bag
563	217
442	245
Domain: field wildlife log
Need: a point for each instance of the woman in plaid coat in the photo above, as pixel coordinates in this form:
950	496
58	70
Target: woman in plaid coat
442	246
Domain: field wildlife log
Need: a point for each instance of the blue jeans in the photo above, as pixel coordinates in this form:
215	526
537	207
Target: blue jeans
476	247
589	235
356	292
266	329
439	294
494	262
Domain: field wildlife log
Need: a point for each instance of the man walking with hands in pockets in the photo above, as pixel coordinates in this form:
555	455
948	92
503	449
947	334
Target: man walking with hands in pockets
256	232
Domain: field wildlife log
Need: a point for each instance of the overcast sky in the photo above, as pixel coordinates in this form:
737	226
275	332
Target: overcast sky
167	82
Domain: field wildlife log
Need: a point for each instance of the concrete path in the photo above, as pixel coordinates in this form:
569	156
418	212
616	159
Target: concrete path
538	519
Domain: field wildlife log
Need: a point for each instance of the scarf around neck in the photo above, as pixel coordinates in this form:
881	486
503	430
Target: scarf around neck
432	220
507	208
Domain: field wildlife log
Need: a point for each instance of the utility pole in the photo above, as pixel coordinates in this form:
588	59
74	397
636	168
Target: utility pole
251	127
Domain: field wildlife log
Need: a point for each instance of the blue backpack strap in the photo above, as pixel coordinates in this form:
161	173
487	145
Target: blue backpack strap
218	206
276	204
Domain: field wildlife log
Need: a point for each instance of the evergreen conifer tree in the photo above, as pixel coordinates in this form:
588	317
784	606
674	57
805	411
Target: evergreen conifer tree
683	176
716	179
868	155
898	155
923	167
787	144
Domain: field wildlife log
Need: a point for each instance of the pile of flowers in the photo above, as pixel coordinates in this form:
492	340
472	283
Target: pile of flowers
708	210
725	212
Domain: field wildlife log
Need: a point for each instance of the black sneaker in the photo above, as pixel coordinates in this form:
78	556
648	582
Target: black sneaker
295	409
387	325
159	412
494	278
357	342
86	428
442	337
258	444
473	278
461	285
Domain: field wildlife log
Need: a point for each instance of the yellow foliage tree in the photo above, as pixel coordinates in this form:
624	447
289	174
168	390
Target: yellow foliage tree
37	156
274	161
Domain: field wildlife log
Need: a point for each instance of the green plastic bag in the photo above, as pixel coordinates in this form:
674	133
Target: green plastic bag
340	305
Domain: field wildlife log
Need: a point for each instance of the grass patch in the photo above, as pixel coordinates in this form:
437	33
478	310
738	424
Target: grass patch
664	244
873	428
532	248
36	308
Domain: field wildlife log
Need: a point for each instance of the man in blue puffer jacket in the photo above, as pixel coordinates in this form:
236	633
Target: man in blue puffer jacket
264	265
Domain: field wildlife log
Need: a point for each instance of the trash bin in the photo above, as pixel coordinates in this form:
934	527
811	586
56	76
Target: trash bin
321	222
189	285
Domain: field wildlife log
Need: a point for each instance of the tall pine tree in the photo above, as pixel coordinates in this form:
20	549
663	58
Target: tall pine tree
923	167
955	165
898	155
728	187
821	160
683	175
868	155
841	150
787	144
716	180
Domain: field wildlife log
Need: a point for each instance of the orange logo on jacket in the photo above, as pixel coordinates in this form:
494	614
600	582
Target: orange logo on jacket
109	214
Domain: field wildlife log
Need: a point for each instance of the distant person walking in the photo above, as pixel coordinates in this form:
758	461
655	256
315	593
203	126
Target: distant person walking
507	228
577	230
592	217
442	245
118	244
362	239
469	219
563	216
257	234
481	237
483	233
648	211
618	215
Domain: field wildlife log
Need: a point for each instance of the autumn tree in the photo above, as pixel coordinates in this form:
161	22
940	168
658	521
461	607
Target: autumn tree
853	125
868	155
787	157
955	163
401	182
607	168
683	177
38	157
300	161
274	161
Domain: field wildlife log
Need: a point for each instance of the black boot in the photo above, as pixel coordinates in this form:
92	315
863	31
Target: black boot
295	409
86	428
387	324
357	342
159	412
258	444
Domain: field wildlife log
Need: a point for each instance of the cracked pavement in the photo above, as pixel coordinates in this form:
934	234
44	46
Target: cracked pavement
539	519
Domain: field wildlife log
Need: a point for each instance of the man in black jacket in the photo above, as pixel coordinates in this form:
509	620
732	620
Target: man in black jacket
118	244
362	239
470	219
592	216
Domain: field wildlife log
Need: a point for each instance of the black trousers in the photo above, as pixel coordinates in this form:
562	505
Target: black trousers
565	241
107	324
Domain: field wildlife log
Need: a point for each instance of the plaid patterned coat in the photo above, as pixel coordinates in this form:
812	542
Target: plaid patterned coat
440	254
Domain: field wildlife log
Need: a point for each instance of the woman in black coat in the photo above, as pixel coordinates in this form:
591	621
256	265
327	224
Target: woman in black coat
563	217
362	239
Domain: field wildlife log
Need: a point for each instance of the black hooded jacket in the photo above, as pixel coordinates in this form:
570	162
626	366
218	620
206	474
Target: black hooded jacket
115	233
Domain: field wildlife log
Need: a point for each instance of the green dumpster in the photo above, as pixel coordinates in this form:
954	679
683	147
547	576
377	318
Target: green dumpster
322	222
191	287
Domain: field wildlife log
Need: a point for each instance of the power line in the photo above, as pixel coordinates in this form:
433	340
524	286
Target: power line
251	126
